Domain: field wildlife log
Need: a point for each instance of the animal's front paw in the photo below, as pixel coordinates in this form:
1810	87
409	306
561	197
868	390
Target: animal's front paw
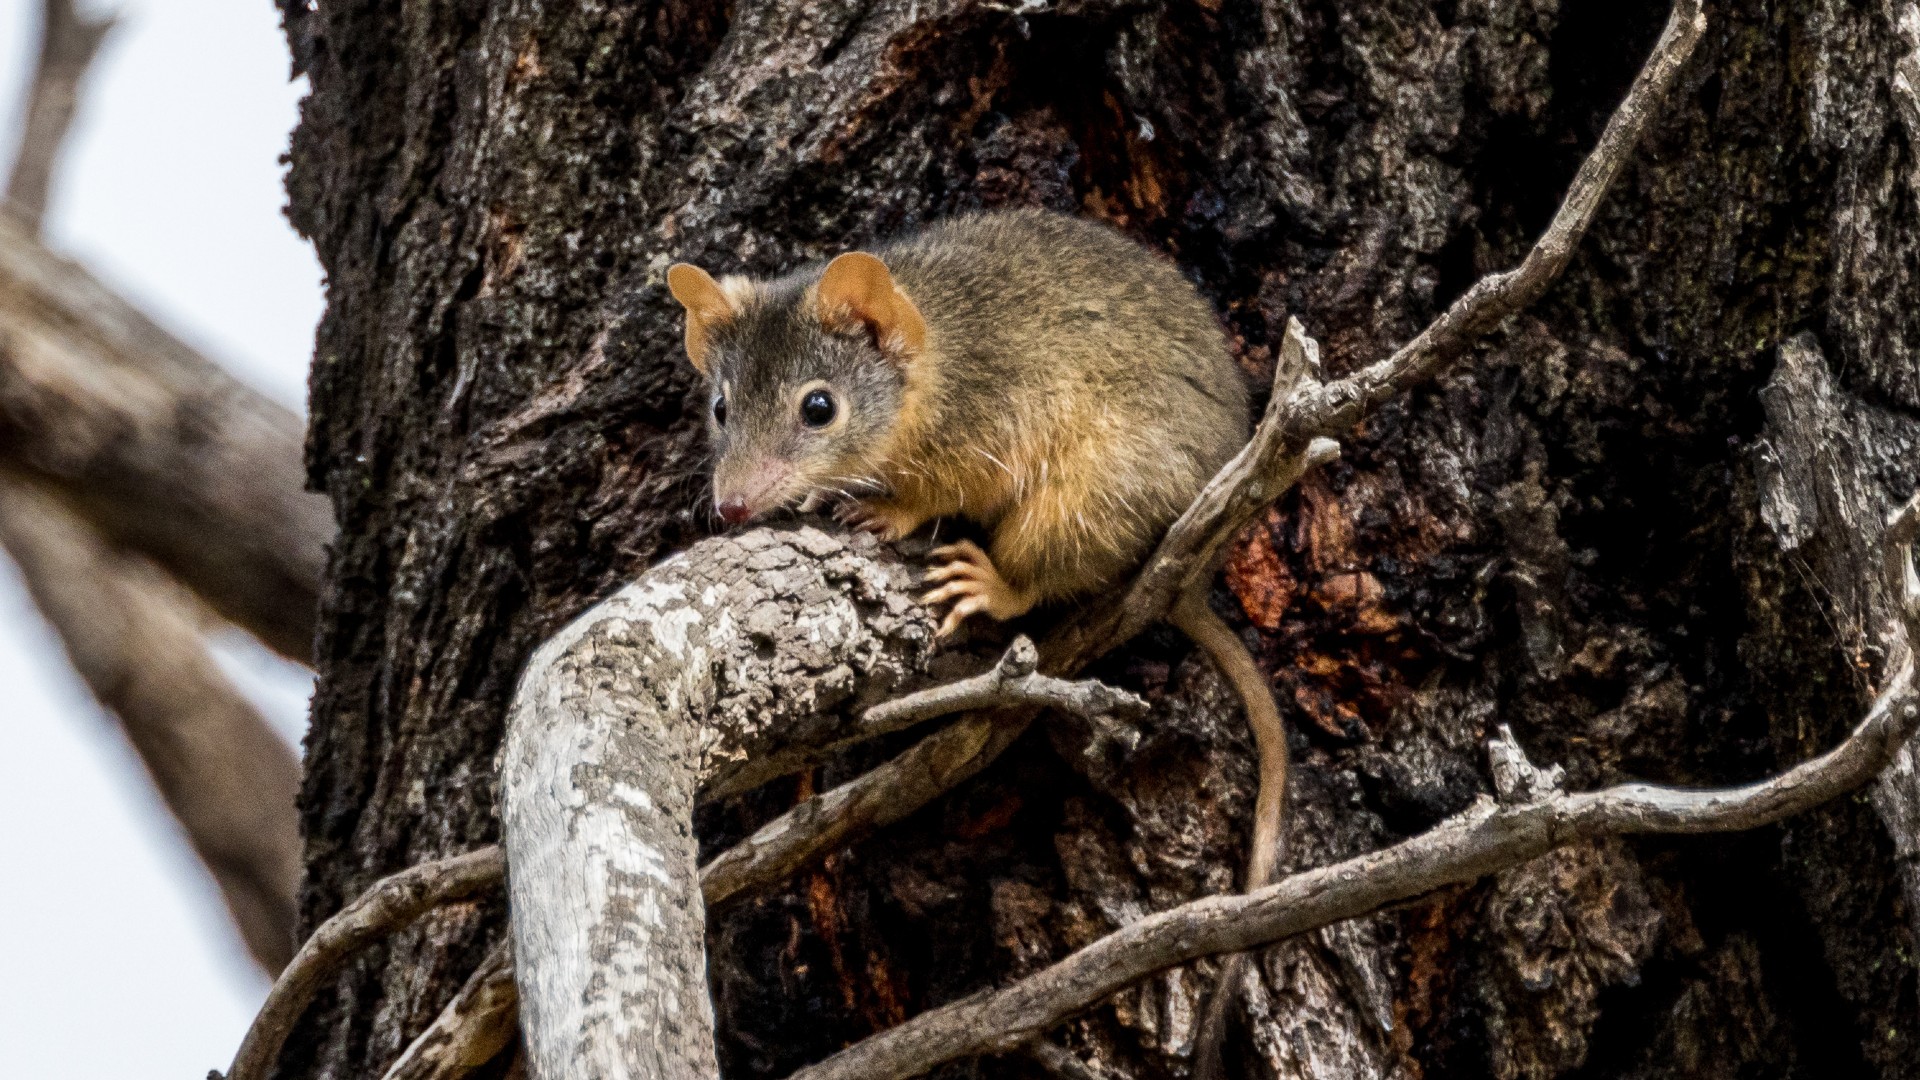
883	521
973	584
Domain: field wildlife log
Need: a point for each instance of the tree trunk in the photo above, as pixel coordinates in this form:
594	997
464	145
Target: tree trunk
1629	529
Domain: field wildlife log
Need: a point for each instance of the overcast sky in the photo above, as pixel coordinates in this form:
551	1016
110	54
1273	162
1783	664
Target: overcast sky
116	958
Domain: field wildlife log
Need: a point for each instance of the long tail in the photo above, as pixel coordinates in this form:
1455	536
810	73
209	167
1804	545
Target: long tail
1196	619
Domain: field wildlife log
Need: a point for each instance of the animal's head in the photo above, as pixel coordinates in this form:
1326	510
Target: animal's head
807	379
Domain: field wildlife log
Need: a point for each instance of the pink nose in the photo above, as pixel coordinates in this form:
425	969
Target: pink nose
734	511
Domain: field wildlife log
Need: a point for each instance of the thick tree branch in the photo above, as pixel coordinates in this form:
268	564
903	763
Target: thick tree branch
1486	839
719	656
225	775
157	447
68	42
394	902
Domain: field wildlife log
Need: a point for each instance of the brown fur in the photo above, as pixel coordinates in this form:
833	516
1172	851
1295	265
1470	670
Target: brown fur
1071	393
1037	374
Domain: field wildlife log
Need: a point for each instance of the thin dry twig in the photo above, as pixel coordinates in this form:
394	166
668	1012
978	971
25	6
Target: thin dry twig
1490	837
857	808
474	1027
1011	682
68	43
1290	439
392	904
1059	1061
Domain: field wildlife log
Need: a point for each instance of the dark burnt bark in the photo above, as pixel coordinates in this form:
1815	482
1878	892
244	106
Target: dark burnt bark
1624	529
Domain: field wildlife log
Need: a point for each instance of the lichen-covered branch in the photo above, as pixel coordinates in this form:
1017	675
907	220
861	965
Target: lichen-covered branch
716	657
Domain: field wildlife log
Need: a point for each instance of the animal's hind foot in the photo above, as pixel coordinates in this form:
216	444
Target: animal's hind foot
967	577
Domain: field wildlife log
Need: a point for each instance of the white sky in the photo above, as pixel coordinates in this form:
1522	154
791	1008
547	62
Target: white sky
116	958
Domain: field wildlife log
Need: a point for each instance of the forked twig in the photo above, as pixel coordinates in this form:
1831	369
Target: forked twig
1010	686
1011	682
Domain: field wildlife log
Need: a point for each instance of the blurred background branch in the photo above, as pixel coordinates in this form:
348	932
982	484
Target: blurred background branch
128	457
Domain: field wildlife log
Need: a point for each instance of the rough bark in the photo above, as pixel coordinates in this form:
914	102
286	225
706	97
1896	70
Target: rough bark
1572	535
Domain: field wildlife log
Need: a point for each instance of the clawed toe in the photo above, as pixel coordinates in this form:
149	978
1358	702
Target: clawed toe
858	518
968	579
958	614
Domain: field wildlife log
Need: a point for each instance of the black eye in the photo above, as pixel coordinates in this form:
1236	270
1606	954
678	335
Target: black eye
720	409
816	409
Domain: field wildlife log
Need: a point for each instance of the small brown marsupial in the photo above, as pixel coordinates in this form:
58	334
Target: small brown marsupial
1040	375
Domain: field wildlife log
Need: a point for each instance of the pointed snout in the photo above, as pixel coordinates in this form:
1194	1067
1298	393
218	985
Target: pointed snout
739	496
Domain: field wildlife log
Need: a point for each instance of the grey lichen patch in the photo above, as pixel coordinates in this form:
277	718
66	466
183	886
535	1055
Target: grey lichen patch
770	635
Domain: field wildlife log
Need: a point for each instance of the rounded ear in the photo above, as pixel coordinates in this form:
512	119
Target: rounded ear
859	286
707	305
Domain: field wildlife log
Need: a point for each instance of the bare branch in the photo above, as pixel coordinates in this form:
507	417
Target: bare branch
836	818
392	904
68	42
474	1027
157	447
224	773
1488	838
